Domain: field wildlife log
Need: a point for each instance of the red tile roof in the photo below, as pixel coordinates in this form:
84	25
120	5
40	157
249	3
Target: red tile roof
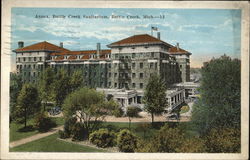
143	38
177	50
72	57
42	46
59	58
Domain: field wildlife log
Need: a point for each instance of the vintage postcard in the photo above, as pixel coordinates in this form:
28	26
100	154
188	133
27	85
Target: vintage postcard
124	80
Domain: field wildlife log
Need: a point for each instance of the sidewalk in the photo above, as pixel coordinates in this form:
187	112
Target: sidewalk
34	137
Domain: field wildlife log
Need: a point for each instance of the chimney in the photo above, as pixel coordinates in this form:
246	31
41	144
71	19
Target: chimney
61	44
177	46
20	44
158	35
98	49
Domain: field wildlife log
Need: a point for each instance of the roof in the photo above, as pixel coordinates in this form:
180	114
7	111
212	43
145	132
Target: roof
138	39
177	50
42	46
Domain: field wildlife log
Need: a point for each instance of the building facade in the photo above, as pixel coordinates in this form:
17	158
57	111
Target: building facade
123	70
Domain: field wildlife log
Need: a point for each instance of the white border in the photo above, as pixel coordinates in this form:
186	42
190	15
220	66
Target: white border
5	69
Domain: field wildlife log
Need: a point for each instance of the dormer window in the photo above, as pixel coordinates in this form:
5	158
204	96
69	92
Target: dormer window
133	47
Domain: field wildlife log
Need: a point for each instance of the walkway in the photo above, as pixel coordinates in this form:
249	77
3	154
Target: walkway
34	137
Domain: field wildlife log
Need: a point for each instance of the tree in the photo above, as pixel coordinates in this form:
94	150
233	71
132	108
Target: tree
88	106
219	105
132	112
28	103
76	80
46	86
127	141
155	96
15	88
61	87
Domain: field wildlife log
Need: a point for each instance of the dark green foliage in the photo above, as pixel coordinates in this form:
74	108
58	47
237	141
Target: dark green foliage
192	145
118	112
155	96
15	88
103	138
68	125
63	134
79	133
28	103
76	80
219	105
127	141
44	123
223	140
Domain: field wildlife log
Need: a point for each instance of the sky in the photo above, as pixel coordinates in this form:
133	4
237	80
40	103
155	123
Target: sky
206	33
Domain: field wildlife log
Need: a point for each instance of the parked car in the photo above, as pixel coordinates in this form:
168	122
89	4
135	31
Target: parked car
172	116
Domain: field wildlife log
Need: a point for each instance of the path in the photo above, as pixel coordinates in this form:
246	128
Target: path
34	137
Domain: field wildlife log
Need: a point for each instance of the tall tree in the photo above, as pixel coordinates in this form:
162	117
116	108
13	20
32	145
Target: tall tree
61	87
15	88
89	106
28	103
76	81
155	96
219	105
45	86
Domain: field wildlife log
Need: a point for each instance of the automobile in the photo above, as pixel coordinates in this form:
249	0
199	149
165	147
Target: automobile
172	116
55	111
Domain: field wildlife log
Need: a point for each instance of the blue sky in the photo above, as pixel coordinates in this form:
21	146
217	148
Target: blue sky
206	33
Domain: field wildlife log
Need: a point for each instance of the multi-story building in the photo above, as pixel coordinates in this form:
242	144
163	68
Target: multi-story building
122	71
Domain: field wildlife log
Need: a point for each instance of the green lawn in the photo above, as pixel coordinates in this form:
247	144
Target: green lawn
16	134
52	144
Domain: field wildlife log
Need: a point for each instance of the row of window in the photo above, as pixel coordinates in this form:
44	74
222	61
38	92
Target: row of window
29	66
29	59
122	85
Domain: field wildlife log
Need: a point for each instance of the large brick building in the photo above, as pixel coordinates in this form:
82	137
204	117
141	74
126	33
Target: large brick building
122	70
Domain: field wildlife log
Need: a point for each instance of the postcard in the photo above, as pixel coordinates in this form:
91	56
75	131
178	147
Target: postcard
124	80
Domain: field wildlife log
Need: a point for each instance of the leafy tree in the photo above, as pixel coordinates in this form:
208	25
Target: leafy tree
132	112
46	86
127	141
88	106
44	123
219	105
76	80
155	96
15	88
61	87
223	140
28	103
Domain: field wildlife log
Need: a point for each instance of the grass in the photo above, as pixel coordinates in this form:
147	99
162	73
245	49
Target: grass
184	109
52	144
17	132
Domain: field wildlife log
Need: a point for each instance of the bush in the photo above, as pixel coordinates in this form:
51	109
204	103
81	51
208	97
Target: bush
103	138
68	125
118	112
44	123
78	132
126	141
192	145
63	134
223	140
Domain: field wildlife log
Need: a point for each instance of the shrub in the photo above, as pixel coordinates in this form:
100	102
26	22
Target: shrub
68	125
103	138
43	123
78	132
118	112
223	140
63	134
192	145
126	141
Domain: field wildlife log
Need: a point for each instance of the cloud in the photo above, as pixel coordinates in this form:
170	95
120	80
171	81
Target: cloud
198	28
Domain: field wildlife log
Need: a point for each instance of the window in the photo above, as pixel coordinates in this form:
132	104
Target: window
34	66
133	55
109	74
141	85
29	58
18	59
34	74
24	59
180	66
151	65
109	83
115	75
152	54
115	84
115	65
141	65
40	58
34	58
155	65
133	65
141	75
133	75
133	85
